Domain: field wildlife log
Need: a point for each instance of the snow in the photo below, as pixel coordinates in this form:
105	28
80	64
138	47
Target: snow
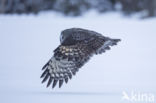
27	43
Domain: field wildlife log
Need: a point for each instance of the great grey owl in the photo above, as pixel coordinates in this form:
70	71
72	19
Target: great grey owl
76	47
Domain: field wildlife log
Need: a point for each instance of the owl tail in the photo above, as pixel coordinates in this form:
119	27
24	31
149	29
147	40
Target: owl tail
106	45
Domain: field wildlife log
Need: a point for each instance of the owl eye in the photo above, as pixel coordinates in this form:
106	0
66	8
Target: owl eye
61	37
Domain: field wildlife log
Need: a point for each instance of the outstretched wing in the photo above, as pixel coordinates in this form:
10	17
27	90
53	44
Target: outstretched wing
66	62
95	41
99	43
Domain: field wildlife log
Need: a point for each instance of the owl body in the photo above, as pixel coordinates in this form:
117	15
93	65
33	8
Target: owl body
76	47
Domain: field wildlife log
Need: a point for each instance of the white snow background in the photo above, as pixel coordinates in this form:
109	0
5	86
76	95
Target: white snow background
27	43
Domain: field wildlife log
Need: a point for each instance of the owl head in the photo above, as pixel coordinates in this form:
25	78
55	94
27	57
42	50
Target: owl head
68	33
74	35
65	34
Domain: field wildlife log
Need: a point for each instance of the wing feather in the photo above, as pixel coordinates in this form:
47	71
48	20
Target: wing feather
65	63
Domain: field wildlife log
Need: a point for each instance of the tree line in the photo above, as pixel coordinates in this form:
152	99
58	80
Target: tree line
79	7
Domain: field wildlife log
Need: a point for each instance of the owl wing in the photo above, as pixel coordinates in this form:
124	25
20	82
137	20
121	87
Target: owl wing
96	42
66	62
99	43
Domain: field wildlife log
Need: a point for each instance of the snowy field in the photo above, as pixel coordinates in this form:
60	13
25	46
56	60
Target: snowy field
28	41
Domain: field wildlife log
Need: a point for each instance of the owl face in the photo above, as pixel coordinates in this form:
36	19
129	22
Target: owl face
65	34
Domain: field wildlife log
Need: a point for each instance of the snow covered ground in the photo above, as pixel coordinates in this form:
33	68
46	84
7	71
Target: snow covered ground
28	41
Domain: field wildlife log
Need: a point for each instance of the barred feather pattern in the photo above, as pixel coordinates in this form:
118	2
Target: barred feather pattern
65	63
68	59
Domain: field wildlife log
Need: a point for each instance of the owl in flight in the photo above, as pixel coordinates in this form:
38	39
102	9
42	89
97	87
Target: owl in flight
76	47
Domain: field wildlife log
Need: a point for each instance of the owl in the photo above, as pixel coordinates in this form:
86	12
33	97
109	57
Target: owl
76	47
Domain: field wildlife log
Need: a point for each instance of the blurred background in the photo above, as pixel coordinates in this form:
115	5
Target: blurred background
30	31
78	7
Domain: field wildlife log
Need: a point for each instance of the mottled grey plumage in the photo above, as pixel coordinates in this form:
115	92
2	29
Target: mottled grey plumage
76	48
